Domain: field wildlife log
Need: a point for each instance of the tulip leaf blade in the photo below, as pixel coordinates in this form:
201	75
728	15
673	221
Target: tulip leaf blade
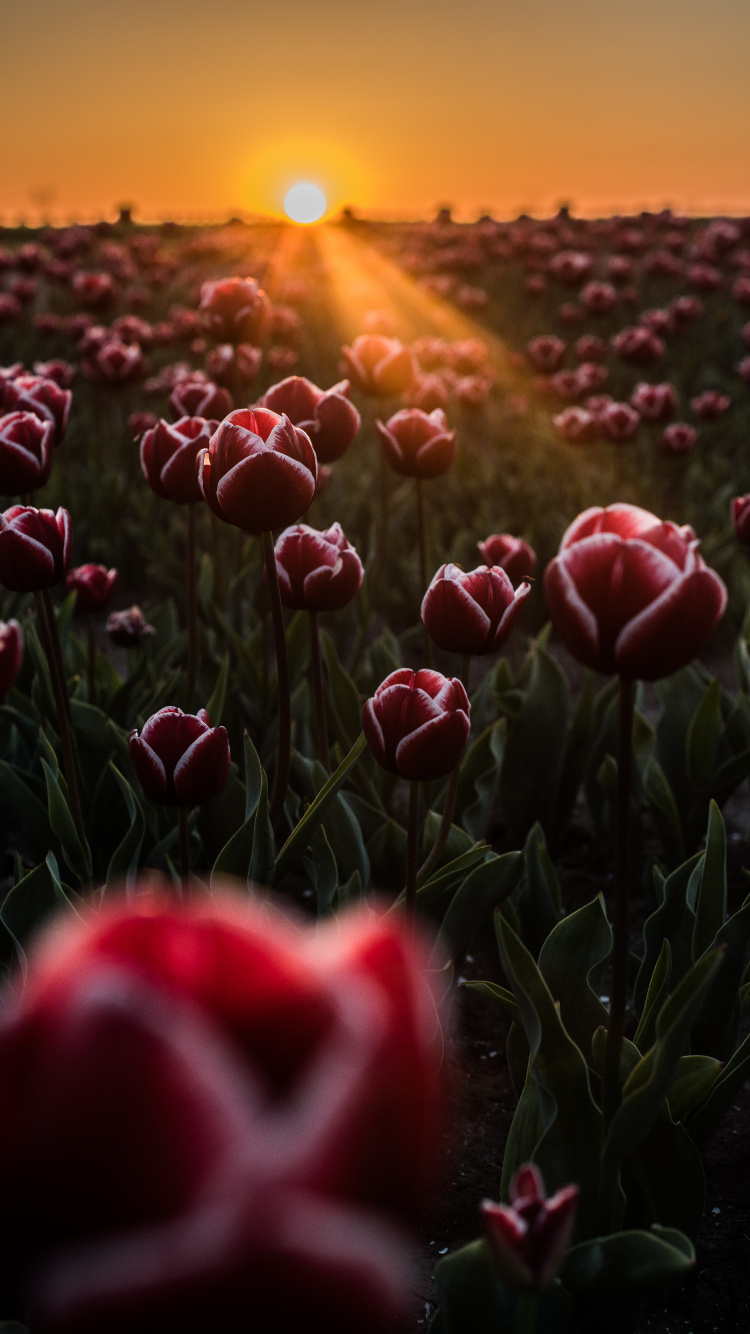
262	858
703	736
301	836
253	776
343	694
123	863
217	702
533	758
658	990
729	1081
29	905
711	899
539	905
76	855
483	890
26	806
572	961
625	1266
696	1076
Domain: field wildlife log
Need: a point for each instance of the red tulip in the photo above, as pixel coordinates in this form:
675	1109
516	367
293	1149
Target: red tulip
741	518
45	398
326	415
318	571
660	322
93	586
472	391
34	548
139	422
685	310
11	655
26	443
598	298
546	352
226	363
472	613
10	308
259	471
380	367
529	1237
654	402
417	723
638	345
169	457
248	1111
418	444
510	553
710	405
741	289
679	438
61	371
577	425
631	594
94	291
201	399
234	310
10	373
571	313
132	329
619	421
743	369
115	363
571	267
705	277
428	392
180	759
620	269
591	348
128	628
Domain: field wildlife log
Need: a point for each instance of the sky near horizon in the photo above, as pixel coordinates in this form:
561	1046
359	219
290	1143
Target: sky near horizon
197	109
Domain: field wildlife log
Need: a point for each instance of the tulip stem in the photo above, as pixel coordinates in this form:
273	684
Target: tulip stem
412	850
92	660
282	675
321	726
422	544
218	580
182	823
446	822
191	595
621	915
51	639
526	1307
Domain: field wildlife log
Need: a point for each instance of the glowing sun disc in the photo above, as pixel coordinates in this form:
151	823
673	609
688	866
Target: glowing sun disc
304	203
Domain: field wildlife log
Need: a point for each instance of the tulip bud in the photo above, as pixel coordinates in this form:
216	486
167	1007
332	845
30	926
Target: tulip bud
169	457
259	471
318	571
471	613
417	723
741	518
180	759
576	425
529	1237
546	352
94	291
638	345
711	405
380	367
26	443
11	655
619	421
510	553
115	363
128	628
234	310
326	415
45	398
93	586
417	444
34	548
655	402
200	398
678	438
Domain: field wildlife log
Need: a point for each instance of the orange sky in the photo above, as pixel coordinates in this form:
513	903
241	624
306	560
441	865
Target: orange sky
202	109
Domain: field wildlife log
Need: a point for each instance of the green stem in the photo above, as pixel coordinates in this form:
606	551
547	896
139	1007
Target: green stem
281	778
422	545
51	640
321	726
446	821
621	915
526	1308
218	579
191	595
412	850
91	660
182	820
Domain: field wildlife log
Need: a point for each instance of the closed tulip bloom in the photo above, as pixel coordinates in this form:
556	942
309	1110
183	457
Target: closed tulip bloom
169	457
45	398
318	571
129	628
620	269
93	586
61	371
631	594
638	345
528	1238
94	291
378	366
326	415
741	518
234	310
577	425
589	347
226	362
11	656
428	392
546	352
743	369
200	398
510	553
418	444
180	759
26	443
417	723
34	548
705	277
685	310
741	289
655	402
471	612
598	298
115	363
711	405
620	422
259	471
571	267
678	438
10	308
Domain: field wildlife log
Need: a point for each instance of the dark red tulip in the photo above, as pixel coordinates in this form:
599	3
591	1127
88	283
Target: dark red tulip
10	308
655	402
704	277
571	267
10	373
660	322
571	313
259	472
115	363
200	398
45	398
128	628
418	444
326	415
34	548
577	425
546	352
679	438
589	347
94	291
528	1238
417	723
61	371
138	422
741	289
234	310
169	457
93	586
620	269
743	369
132	329
180	759
26	445
318	571
631	594
711	405
598	298
638	345
619	421
428	392
227	363
378	366
471	612
11	656
741	518
686	310
510	553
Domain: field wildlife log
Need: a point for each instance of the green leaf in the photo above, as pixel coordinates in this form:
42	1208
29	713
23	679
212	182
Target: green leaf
716	1027
479	782
707	1119
483	890
499	995
236	855
301	836
27	808
692	1084
539	906
658	990
626	1266
711	902
473	1300
660	800
218	699
77	856
386	849
572	961
673	921
30	904
343	694
123	863
253	777
262	870
534	750
326	872
703	736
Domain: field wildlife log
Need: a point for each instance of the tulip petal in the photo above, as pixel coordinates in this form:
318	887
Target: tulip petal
669	632
202	770
433	749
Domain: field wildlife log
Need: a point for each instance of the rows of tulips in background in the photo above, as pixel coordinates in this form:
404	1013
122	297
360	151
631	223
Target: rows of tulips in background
328	706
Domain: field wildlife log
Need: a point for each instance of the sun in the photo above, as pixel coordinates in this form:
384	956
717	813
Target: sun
305	203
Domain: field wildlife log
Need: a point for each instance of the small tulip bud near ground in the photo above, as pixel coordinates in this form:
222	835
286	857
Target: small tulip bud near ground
528	1238
128	628
678	438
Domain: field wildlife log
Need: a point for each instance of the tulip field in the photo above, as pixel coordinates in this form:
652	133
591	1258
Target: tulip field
374	760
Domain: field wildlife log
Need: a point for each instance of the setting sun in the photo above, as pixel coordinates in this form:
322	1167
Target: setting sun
305	203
